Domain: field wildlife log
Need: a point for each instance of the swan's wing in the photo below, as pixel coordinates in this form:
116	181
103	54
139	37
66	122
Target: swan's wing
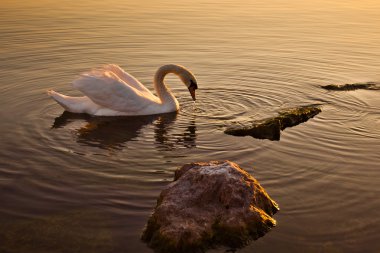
126	77
106	89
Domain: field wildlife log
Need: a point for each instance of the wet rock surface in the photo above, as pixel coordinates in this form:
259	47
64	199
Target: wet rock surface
209	204
271	128
353	86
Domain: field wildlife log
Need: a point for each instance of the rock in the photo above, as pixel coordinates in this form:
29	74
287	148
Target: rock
263	129
270	128
208	204
352	86
296	116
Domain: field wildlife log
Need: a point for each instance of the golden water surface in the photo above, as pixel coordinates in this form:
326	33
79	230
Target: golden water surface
88	184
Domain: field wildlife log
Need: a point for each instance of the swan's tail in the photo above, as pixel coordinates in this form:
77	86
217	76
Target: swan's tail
71	104
59	98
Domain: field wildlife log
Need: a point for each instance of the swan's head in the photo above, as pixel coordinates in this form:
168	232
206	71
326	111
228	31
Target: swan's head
185	75
189	80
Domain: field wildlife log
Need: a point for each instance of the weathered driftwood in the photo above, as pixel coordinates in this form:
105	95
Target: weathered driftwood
208	204
270	128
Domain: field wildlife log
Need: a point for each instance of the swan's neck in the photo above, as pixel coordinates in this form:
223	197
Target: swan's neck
163	91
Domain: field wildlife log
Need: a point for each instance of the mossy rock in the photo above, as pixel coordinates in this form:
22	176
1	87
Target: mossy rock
352	86
296	116
271	128
263	129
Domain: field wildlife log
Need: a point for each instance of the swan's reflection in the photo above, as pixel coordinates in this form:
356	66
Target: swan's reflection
115	132
167	141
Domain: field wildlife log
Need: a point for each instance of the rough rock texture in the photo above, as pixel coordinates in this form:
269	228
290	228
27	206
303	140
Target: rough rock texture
353	86
211	203
295	116
262	129
271	128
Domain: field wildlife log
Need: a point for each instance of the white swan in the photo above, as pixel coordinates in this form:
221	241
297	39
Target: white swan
110	91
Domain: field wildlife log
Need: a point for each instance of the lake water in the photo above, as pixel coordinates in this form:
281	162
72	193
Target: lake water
88	184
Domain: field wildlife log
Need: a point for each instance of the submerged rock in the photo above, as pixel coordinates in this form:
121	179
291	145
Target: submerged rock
208	204
271	128
352	86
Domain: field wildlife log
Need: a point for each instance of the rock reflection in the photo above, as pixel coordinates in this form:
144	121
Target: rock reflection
114	132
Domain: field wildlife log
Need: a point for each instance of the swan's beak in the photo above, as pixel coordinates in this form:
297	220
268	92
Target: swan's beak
192	92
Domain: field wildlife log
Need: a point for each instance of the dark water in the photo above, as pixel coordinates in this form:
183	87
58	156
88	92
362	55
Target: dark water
86	184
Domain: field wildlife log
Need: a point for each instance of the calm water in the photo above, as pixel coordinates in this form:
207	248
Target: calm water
87	184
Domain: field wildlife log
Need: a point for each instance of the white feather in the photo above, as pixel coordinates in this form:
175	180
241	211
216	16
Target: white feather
110	91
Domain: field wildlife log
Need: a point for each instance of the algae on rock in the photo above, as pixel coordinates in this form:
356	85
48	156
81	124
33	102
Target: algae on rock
352	86
271	128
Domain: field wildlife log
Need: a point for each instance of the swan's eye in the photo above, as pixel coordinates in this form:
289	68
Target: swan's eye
193	84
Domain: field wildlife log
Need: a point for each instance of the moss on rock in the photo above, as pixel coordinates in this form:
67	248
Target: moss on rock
352	86
271	128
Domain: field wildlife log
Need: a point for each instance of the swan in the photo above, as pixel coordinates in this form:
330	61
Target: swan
110	91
